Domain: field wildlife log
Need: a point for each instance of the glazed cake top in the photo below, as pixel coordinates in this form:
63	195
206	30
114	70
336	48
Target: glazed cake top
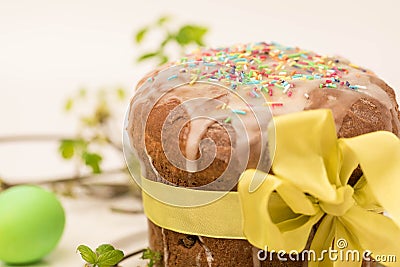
248	83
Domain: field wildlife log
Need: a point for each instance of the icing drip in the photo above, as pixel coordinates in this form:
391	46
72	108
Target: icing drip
198	257
207	251
193	141
165	246
198	108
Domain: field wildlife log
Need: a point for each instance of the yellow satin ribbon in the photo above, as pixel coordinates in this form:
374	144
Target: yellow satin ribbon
311	168
218	219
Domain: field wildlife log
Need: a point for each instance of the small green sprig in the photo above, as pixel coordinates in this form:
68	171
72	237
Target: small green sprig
104	256
184	36
94	129
79	147
95	113
154	257
107	256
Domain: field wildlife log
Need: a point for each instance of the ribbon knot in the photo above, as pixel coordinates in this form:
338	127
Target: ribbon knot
310	186
345	202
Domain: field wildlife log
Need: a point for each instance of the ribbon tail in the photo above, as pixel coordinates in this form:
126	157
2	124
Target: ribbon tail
321	242
349	253
376	233
379	157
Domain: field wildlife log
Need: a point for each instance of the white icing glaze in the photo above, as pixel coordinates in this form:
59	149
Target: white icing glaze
207	251
283	65
165	248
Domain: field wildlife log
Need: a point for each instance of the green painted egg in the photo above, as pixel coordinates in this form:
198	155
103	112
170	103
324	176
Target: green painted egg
31	224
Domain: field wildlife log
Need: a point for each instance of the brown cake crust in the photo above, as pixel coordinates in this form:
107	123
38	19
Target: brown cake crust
355	114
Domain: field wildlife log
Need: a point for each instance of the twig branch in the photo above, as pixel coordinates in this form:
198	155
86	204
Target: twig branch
114	145
48	138
63	179
33	138
131	255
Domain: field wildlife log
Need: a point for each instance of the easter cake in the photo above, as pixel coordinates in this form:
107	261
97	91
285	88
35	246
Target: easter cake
201	122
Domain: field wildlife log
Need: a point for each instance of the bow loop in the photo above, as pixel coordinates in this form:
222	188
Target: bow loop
317	155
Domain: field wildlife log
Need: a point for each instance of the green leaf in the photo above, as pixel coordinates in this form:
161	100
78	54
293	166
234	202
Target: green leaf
166	40
163	59
121	93
82	92
67	148
69	104
141	34
70	147
102	112
89	121
93	161
104	248
163	20
191	34
110	258
153	257
87	254
147	56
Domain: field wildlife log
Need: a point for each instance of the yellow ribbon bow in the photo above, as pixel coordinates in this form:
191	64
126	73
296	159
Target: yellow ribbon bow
308	187
309	184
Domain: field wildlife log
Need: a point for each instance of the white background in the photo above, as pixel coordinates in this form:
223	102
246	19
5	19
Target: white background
49	49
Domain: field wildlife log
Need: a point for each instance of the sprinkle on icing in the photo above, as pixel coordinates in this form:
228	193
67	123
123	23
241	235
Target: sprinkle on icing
268	68
172	77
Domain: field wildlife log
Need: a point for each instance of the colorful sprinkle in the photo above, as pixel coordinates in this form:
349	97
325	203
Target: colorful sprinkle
274	104
355	87
238	111
268	70
172	77
194	79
